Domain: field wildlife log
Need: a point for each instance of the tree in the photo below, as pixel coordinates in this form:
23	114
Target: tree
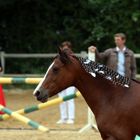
30	26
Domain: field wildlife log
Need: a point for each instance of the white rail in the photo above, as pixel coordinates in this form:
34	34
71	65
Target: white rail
4	55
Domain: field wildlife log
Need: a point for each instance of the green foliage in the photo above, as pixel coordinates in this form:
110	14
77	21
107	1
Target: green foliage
38	26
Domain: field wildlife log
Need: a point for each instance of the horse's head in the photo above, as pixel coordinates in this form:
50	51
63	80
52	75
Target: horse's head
60	75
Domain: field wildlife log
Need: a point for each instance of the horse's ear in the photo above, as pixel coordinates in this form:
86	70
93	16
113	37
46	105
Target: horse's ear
64	56
59	50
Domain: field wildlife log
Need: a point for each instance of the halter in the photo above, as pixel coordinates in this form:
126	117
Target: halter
93	68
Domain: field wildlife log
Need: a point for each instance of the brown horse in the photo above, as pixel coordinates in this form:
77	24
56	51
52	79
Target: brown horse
114	99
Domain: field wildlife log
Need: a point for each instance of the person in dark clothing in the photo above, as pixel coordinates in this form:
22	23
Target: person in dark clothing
120	58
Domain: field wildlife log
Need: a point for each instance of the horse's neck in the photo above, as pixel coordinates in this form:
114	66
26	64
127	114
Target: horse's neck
92	91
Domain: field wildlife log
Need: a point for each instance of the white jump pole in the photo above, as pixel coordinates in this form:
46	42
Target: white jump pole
91	118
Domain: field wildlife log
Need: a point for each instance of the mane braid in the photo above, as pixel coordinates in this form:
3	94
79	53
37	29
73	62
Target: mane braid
94	67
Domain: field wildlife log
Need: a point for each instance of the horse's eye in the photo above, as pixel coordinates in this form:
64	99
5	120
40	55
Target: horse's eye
55	69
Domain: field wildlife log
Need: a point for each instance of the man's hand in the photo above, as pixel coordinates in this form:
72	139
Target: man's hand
92	49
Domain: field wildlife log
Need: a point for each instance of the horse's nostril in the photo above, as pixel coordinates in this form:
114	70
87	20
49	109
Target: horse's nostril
37	93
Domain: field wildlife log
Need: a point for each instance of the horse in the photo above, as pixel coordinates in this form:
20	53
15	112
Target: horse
114	99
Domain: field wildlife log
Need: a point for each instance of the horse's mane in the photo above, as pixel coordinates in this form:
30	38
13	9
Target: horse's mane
97	68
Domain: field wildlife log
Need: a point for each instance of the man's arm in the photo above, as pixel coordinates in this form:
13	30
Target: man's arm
99	56
133	66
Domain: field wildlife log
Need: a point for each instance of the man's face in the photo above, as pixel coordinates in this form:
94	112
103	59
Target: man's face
65	47
119	41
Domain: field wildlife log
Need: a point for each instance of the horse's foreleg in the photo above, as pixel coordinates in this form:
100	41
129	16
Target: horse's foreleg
107	137
113	137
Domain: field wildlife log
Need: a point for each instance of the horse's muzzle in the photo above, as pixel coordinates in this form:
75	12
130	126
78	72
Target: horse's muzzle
41	95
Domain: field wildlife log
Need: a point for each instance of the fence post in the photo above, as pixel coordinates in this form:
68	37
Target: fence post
83	54
2	61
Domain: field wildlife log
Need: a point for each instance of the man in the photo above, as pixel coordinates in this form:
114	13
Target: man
120	58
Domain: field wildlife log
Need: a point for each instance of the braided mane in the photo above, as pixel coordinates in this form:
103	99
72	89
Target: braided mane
94	67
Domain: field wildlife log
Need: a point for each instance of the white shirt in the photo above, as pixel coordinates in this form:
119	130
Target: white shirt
121	61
